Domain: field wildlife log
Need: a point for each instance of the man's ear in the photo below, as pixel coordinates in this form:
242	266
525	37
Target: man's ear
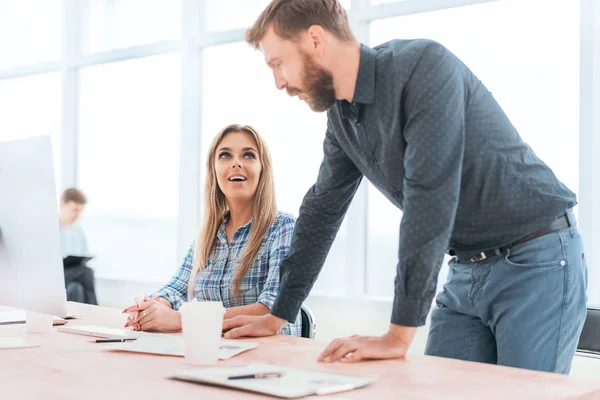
316	37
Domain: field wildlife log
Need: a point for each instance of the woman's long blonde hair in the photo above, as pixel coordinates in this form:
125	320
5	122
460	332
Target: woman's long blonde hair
264	210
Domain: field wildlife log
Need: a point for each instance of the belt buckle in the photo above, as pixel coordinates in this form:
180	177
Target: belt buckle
478	257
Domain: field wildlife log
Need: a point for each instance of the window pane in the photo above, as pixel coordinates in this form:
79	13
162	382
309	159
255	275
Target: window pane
220	18
31	106
110	24
378	2
538	89
128	165
293	133
30	31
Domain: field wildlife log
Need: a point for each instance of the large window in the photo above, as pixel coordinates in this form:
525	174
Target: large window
219	15
30	31
103	79
245	93
533	73
128	165
110	24
31	106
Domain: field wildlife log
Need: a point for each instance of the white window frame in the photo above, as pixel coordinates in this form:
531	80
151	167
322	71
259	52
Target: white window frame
191	44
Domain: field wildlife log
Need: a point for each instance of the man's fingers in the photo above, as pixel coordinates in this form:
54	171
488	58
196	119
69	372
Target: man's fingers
330	349
245	330
348	346
357	355
234	322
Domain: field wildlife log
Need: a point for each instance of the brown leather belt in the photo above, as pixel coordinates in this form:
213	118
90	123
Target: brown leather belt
558	224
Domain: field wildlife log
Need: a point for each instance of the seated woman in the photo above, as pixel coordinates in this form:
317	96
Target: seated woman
242	241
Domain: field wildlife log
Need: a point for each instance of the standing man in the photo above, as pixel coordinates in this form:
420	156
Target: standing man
414	120
79	278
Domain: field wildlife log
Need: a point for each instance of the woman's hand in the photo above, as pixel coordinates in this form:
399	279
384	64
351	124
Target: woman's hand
153	315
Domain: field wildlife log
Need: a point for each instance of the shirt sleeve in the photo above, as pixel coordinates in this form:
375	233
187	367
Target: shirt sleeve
435	134
176	290
279	248
321	214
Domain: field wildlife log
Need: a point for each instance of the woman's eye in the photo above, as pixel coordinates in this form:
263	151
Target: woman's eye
223	155
250	155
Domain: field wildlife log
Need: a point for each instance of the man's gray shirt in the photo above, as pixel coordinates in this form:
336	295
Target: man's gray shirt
430	136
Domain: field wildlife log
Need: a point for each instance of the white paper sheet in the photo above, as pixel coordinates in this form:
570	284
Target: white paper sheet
173	346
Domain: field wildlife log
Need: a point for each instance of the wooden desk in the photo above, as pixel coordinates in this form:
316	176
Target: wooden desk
67	366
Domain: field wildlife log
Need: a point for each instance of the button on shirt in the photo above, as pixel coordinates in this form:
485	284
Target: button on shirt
259	285
431	137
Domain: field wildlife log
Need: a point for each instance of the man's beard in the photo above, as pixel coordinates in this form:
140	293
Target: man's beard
319	93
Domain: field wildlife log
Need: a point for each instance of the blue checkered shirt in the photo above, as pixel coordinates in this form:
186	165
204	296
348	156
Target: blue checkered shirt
261	283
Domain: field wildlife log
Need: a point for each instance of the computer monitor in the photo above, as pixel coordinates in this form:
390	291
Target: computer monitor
31	268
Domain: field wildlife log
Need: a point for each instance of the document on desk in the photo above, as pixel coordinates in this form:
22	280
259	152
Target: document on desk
169	345
285	382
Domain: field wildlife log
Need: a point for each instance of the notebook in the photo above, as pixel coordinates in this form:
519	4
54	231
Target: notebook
71	261
169	345
18	317
293	383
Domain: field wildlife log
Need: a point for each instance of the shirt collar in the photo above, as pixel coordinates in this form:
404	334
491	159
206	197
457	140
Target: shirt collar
222	235
364	91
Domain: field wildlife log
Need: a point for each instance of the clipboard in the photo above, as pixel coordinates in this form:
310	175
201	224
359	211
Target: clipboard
293	382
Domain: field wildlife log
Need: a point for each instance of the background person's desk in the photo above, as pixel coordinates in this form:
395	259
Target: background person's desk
66	366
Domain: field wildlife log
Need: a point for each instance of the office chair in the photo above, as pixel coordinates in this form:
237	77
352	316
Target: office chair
589	341
308	322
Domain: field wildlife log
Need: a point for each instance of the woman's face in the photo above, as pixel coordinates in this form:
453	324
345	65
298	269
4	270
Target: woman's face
238	166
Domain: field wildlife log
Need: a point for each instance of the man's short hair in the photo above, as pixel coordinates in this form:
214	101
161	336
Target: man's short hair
289	17
74	195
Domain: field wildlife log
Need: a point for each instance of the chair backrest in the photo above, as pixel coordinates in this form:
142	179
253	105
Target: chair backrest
589	341
309	326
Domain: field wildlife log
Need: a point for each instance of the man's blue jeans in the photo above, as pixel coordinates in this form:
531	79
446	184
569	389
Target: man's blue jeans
524	308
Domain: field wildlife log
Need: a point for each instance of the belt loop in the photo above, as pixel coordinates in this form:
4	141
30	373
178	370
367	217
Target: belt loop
568	217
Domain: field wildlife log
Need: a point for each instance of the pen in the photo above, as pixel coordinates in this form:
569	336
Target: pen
258	376
113	340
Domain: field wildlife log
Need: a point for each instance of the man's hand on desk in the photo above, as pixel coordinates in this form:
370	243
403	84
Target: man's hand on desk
252	326
393	344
